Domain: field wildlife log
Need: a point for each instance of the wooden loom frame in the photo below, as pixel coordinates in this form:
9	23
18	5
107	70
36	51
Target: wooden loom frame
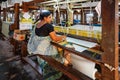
110	47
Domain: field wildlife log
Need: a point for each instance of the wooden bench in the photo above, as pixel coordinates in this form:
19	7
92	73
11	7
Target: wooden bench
68	71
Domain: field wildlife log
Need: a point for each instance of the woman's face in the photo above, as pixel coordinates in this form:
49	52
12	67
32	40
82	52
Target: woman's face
48	19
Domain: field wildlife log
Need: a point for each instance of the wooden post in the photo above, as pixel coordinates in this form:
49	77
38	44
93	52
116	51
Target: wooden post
15	25
110	39
4	14
16	11
64	15
0	21
82	16
57	17
95	17
25	6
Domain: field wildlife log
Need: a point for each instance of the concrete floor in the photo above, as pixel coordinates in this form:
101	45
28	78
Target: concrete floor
15	70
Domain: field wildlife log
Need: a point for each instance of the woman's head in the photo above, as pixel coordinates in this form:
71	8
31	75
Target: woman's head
46	15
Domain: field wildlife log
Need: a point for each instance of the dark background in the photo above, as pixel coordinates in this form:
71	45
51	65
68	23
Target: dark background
2	0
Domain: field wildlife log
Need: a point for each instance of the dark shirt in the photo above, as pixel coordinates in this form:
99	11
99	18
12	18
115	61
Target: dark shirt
44	30
119	37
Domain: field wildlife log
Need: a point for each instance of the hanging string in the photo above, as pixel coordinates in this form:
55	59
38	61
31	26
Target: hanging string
90	22
67	8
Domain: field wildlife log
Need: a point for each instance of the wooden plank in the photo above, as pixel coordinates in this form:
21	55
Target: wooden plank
16	22
69	71
14	58
57	17
33	7
77	53
110	39
25	7
33	65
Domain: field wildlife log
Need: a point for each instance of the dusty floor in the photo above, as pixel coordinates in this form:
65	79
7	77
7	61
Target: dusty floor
14	70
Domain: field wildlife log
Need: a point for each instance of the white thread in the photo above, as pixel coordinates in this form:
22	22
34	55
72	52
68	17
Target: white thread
111	68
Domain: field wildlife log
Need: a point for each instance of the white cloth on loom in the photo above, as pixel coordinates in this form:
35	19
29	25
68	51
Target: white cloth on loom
81	42
79	48
81	64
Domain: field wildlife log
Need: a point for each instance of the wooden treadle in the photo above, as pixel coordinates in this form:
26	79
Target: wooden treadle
33	65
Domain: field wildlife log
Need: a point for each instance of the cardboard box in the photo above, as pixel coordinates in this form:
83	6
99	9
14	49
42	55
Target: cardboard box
18	35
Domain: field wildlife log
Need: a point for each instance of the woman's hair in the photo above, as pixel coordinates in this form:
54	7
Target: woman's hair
44	13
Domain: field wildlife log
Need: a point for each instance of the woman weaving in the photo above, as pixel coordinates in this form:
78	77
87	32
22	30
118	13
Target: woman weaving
39	43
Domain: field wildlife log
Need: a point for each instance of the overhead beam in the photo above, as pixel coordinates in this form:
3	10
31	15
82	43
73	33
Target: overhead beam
38	1
64	2
47	2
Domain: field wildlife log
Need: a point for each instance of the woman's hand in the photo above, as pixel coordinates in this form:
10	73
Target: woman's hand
63	38
57	38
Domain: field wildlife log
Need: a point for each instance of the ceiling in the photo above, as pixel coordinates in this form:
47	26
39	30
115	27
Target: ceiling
74	3
63	3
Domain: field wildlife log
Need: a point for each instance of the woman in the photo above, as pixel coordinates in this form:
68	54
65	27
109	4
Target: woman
39	43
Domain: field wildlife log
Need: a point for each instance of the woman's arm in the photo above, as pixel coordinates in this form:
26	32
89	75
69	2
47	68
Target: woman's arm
56	38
